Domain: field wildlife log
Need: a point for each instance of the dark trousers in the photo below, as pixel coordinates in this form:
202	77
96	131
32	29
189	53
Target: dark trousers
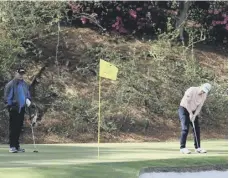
185	123
15	126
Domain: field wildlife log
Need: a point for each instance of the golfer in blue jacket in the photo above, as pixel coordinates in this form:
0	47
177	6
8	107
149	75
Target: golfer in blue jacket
17	97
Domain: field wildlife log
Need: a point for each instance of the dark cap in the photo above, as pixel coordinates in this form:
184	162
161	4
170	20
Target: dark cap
21	70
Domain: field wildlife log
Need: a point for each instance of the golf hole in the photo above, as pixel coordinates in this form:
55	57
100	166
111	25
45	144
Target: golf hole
201	174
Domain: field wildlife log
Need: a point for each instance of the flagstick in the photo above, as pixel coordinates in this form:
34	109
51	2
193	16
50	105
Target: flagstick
99	114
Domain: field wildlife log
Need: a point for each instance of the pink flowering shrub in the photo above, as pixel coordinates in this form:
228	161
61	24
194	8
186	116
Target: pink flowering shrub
151	17
222	19
214	20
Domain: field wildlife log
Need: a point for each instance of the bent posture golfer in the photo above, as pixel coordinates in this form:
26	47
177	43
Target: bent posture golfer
189	109
16	97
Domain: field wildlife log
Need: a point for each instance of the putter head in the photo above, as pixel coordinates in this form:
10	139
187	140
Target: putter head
35	151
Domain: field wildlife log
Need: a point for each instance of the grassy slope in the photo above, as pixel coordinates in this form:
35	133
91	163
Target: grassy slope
116	160
140	106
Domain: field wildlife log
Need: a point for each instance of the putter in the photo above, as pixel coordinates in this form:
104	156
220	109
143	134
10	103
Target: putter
195	134
34	145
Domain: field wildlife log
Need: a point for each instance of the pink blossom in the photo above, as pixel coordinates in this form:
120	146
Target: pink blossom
118	25
133	13
83	20
139	9
224	15
226	27
223	22
216	12
175	12
118	8
122	30
115	24
118	18
75	8
213	22
210	11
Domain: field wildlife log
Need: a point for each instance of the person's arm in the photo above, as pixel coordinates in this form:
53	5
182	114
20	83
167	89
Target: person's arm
198	109
28	96
8	94
188	97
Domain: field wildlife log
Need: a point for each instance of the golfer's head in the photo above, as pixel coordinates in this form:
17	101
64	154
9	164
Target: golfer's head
20	73
206	88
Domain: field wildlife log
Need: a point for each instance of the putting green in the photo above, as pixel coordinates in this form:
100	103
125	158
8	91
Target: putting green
116	160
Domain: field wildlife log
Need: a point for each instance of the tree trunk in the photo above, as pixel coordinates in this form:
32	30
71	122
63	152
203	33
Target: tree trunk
182	17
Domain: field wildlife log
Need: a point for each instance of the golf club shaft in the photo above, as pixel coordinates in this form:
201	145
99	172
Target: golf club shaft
34	145
195	134
33	138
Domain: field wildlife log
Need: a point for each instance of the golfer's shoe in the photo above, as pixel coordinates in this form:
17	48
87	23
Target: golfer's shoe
200	150
185	151
20	150
13	150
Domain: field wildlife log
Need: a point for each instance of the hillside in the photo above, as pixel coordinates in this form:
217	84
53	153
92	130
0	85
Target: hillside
140	106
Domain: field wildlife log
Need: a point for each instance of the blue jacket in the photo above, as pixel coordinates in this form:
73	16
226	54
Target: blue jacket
16	92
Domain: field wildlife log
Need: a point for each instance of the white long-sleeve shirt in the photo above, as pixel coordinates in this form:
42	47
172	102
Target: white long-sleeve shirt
193	100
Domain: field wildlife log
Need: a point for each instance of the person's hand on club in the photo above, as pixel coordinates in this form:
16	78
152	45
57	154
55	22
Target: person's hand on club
192	118
28	102
190	115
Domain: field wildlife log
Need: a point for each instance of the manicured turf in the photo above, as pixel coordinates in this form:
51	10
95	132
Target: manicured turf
116	160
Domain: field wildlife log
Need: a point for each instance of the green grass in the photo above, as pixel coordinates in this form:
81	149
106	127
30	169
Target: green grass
123	160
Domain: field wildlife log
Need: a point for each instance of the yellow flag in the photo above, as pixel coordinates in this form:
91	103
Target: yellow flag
108	70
